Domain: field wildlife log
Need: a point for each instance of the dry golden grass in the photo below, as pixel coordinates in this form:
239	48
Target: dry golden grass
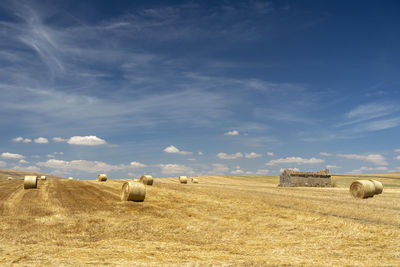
220	221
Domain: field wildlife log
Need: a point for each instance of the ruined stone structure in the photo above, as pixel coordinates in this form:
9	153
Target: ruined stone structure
315	179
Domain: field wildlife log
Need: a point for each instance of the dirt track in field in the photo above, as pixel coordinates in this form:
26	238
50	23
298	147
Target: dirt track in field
220	221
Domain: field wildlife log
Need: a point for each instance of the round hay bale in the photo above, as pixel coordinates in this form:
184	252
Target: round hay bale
30	182
362	189
70	178
378	187
133	191
183	179
9	178
102	177
195	180
43	177
146	179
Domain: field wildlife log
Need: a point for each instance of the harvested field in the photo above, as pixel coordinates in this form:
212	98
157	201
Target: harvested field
220	221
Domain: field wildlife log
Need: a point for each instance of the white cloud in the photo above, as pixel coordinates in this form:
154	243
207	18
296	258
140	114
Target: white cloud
81	165
175	169
362	169
233	132
135	164
58	153
252	155
332	167
35	157
271	154
7	155
200	153
237	172
325	154
41	140
397	157
174	150
86	141
191	159
374	158
21	139
22	161
262	172
59	139
230	156
292	169
297	160
51	156
3	164
397	150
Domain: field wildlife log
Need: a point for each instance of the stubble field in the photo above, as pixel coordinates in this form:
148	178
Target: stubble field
220	221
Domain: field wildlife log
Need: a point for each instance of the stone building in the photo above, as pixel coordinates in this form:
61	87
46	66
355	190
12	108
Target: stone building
314	179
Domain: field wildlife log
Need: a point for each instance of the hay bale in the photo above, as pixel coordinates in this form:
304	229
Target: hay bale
146	179
43	177
30	182
195	180
102	177
378	187
9	178
133	191
183	179
70	178
362	189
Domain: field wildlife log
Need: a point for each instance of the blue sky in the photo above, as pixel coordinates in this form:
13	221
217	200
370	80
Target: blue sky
199	87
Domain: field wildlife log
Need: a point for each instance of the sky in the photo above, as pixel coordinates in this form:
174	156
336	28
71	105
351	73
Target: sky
174	88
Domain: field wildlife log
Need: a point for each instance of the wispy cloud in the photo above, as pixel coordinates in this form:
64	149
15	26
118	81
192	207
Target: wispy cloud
237	172
222	155
31	168
326	154
296	160
370	111
252	155
332	167
81	165
373	158
371	117
368	169
217	169
176	169
59	139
